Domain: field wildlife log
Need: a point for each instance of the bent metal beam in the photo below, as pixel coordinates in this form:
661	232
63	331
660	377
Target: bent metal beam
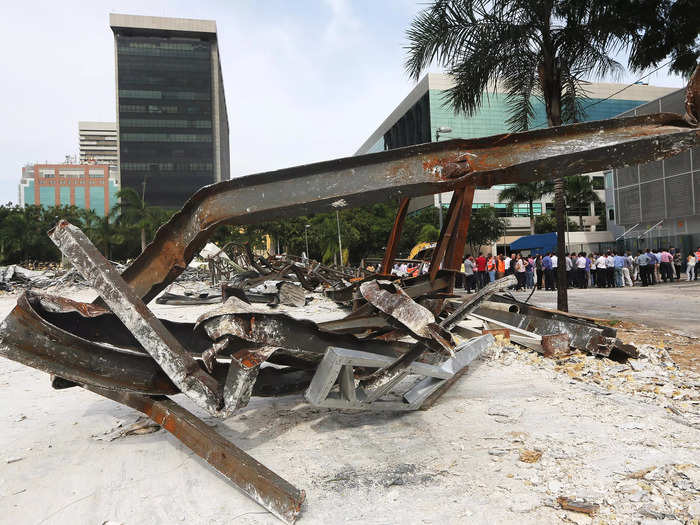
405	172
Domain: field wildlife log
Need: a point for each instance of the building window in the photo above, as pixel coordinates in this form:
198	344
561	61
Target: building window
611	214
71	173
598	183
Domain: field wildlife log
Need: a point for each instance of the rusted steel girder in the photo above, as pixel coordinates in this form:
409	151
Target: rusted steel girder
455	251
265	487
182	369
392	245
406	172
26	336
445	239
86	345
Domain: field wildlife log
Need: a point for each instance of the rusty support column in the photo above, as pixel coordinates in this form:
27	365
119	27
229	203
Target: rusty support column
455	252
275	494
392	244
446	233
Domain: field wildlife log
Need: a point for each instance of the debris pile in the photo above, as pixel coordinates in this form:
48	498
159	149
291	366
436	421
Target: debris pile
276	279
15	276
401	347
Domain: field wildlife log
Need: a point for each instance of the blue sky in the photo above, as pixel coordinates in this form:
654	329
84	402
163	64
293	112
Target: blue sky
305	80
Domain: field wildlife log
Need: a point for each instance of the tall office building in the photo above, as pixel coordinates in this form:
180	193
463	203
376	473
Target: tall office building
418	116
172	121
98	143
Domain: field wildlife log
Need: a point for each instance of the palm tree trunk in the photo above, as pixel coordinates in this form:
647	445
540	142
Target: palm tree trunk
562	295
580	222
143	239
532	219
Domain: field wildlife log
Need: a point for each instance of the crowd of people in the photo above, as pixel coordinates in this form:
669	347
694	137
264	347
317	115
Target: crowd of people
612	269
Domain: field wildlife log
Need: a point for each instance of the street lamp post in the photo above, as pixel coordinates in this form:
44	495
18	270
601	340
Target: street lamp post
306	237
340	241
441	130
341	203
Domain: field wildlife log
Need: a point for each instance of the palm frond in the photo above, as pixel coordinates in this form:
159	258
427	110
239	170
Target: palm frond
520	82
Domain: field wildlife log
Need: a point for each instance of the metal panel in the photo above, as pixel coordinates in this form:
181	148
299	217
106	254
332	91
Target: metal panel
679	196
650	171
678	164
626	176
653	207
627	207
337	365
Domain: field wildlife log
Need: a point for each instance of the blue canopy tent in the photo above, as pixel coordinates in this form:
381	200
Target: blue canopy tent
537	244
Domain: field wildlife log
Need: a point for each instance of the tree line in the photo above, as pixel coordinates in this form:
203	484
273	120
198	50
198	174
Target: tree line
126	230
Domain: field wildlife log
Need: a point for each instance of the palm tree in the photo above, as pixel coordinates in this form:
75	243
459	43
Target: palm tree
101	231
579	190
534	49
526	192
133	212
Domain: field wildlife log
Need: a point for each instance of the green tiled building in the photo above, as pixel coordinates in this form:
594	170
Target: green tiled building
419	115
87	186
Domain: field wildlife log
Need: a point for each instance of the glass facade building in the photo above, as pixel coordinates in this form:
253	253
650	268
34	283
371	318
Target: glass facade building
658	203
416	119
172	121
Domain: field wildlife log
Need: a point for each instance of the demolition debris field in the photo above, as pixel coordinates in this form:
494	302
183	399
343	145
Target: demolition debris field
518	439
544	415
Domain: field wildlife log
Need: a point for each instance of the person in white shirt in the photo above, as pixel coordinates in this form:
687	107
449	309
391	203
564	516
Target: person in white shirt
506	262
601	278
690	269
554	262
610	270
580	277
627	270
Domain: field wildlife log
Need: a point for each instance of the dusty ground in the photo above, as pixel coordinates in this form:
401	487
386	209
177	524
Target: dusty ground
596	425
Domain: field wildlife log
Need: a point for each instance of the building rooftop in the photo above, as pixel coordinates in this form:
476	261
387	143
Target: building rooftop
147	24
85	124
641	92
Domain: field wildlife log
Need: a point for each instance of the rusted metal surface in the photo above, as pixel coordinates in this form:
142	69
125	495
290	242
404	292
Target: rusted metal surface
555	345
455	252
446	234
28	338
392	245
162	346
405	172
275	494
242	374
398	305
124	352
302	338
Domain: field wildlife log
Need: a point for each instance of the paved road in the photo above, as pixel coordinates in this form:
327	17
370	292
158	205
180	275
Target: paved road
673	306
